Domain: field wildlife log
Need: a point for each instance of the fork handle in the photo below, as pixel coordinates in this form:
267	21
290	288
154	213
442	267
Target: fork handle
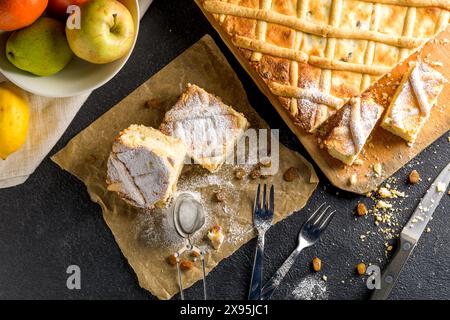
257	273
270	287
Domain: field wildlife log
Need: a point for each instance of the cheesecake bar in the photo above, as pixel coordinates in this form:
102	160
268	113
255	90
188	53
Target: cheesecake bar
208	127
351	127
144	166
412	103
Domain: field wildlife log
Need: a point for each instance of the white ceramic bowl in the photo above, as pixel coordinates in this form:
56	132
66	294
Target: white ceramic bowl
76	78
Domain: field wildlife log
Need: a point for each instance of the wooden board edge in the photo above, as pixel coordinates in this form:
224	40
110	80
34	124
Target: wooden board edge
307	139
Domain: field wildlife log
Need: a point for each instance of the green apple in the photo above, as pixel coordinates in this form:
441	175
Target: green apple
40	48
105	33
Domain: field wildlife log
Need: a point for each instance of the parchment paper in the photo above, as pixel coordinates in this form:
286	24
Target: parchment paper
147	238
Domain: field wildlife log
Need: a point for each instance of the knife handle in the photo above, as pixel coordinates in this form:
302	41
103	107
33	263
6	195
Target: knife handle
390	275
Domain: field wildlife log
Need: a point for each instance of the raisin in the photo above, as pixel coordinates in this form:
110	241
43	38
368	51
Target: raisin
290	174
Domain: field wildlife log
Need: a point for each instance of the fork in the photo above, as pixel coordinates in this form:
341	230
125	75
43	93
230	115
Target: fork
308	235
262	220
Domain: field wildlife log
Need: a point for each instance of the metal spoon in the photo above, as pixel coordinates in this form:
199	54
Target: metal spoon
188	218
188	215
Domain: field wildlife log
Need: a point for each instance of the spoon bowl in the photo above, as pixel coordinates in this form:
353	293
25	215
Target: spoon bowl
188	215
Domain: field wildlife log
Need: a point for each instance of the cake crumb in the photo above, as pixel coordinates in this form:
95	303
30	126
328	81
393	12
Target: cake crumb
239	173
384	193
381	204
440	187
353	179
255	173
220	196
216	236
378	169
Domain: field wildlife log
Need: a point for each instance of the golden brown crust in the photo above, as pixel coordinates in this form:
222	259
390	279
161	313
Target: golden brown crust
318	46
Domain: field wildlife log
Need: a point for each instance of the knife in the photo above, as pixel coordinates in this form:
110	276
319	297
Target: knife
411	233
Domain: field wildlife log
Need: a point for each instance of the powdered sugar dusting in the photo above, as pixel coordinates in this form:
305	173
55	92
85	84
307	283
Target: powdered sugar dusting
156	228
310	288
358	135
417	95
205	124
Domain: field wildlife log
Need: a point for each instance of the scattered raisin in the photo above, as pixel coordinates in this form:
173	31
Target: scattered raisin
316	264
414	177
290	174
361	269
239	173
361	209
172	260
195	254
186	265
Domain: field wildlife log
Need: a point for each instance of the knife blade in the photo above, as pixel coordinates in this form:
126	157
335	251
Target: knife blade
411	233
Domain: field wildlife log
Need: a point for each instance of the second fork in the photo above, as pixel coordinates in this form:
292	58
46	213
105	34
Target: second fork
308	235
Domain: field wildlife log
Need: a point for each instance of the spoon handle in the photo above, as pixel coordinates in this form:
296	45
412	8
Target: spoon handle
205	296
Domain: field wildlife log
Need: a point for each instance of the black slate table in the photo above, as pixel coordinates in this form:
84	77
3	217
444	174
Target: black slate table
49	222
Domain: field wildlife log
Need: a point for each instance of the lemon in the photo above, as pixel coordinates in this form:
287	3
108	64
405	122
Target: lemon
14	120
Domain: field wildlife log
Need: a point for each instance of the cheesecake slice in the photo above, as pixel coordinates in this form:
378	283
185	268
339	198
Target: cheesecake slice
208	127
412	103
351	127
144	166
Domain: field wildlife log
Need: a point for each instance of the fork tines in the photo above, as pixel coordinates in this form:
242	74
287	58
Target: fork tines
265	206
321	217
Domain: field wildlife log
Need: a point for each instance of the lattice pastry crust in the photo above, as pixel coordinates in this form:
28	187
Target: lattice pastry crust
316	54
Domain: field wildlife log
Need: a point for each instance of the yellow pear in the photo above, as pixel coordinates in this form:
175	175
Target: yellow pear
14	120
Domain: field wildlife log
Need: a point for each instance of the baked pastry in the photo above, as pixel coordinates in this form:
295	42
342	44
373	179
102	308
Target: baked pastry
351	127
144	166
411	105
207	126
314	55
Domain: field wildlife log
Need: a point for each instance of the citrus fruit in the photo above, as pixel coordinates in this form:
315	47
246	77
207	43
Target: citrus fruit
16	14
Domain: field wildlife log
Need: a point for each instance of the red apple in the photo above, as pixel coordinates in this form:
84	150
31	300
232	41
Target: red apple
59	7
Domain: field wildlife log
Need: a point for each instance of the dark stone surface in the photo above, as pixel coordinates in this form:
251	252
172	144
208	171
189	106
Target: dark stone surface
50	223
